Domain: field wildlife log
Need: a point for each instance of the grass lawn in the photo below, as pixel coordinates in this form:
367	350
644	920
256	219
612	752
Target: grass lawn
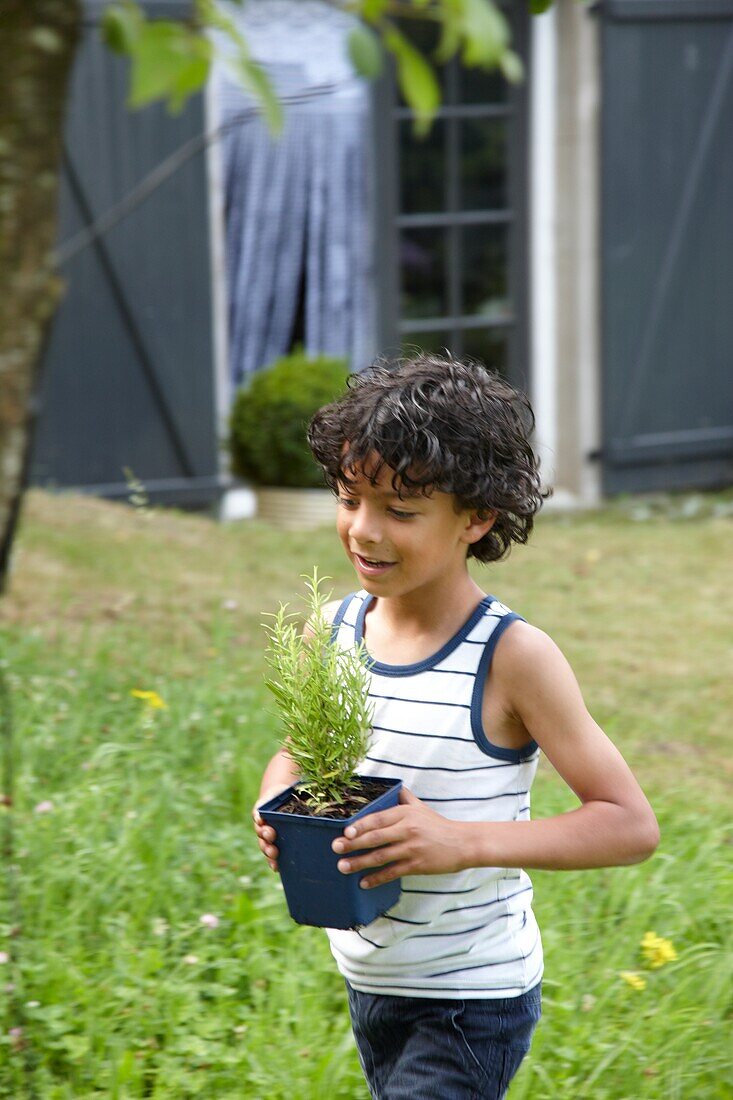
131	823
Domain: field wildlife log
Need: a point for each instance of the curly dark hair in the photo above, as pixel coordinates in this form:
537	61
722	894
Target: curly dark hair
440	424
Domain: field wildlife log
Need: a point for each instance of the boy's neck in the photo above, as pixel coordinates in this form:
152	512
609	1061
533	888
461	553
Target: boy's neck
431	610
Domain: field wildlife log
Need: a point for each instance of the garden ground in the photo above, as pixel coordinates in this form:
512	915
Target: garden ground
145	947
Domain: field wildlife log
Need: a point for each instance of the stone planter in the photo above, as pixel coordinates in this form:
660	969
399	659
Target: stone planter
296	509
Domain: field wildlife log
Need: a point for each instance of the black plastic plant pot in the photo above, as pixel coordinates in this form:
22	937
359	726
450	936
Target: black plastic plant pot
316	891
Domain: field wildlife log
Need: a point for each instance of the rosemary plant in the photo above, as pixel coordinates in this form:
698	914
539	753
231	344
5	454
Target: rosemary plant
321	693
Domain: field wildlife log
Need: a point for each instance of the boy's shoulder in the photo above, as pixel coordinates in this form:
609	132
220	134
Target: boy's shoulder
329	614
330	609
524	644
527	656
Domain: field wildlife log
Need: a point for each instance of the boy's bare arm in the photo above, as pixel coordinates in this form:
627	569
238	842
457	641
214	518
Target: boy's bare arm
614	825
279	774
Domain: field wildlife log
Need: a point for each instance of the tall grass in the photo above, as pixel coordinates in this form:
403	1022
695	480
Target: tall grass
131	823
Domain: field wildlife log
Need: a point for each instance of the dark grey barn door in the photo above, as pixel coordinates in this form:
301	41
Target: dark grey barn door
128	376
667	243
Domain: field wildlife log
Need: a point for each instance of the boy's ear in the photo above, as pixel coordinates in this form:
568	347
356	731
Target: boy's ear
476	527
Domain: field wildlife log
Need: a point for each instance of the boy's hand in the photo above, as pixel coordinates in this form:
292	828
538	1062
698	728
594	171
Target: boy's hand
266	835
411	836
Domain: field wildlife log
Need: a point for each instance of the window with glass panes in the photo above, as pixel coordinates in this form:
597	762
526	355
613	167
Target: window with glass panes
459	215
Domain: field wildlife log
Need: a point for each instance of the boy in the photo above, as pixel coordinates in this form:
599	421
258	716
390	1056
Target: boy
432	465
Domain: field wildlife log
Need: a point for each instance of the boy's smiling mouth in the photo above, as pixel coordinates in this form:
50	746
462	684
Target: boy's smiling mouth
371	565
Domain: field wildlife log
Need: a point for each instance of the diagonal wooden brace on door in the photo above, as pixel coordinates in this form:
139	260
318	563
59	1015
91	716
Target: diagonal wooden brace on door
126	313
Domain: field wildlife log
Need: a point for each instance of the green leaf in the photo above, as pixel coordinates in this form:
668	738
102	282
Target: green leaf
121	25
77	1046
538	7
365	52
486	33
255	80
373	9
189	81
168	61
512	67
450	41
242	67
416	79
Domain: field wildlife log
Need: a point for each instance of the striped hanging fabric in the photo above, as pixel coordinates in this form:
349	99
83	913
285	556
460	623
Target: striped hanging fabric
297	207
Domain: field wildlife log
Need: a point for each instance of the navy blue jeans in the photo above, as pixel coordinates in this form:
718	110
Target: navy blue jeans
418	1048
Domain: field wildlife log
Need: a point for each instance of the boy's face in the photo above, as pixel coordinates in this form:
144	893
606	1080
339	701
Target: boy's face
400	545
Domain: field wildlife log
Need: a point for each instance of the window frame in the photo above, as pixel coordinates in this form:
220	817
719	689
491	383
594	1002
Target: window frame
388	115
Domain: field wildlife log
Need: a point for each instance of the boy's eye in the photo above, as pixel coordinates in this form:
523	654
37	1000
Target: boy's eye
349	502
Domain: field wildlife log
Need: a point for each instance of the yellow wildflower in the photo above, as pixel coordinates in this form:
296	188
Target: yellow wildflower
150	697
634	980
657	951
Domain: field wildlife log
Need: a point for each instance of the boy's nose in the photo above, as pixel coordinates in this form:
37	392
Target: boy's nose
365	530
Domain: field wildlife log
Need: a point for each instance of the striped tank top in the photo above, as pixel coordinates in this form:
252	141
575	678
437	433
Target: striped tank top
470	934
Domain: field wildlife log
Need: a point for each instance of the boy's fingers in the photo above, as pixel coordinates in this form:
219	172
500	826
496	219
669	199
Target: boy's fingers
269	849
396	871
381	820
371	839
377	858
266	795
265	833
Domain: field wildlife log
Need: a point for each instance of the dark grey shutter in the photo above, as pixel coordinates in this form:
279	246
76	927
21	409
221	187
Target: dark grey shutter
667	243
128	376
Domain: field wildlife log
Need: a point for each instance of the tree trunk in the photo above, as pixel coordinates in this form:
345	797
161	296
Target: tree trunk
38	41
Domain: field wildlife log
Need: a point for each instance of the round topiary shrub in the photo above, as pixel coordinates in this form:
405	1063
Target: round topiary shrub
267	440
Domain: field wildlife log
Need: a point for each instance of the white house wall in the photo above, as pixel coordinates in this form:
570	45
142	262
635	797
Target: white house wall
565	242
542	235
219	297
